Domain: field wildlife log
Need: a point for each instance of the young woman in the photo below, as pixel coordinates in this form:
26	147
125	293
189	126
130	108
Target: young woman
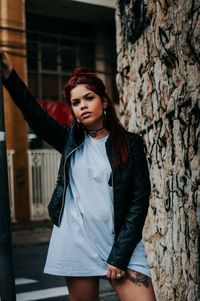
101	199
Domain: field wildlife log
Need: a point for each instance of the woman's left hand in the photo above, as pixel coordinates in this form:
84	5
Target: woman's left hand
114	273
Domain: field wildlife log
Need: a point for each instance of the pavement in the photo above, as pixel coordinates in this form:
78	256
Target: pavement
31	234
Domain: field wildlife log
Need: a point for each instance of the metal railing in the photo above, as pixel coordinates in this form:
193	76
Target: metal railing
43	168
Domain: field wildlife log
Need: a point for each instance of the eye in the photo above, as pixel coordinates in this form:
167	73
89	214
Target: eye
90	97
75	103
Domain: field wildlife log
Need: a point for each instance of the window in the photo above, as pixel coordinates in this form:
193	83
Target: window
54	51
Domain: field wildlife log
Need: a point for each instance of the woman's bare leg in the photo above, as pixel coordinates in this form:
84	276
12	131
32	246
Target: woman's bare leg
134	286
83	288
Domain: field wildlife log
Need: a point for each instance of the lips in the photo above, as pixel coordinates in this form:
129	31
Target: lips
86	114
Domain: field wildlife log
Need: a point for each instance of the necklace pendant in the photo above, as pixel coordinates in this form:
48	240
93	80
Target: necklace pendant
93	134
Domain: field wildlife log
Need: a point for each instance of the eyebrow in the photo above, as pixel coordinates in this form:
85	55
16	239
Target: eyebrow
84	96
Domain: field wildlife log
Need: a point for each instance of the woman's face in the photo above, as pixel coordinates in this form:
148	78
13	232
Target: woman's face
87	106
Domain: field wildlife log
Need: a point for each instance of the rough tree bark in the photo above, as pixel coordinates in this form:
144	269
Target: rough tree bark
158	47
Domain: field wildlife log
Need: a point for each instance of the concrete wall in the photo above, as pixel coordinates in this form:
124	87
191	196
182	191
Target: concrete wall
158	47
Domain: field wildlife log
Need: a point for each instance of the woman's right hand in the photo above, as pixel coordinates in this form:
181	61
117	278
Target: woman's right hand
6	65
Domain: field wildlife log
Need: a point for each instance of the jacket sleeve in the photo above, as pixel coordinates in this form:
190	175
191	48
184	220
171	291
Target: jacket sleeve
46	127
131	231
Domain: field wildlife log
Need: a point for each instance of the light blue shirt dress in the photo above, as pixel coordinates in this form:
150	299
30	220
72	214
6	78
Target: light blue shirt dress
82	243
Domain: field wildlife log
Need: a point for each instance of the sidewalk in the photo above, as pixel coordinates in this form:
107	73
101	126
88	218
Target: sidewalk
32	234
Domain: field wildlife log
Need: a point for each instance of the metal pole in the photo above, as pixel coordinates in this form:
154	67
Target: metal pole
7	284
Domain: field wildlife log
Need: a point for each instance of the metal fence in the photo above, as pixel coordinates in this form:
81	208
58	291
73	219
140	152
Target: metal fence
10	154
43	167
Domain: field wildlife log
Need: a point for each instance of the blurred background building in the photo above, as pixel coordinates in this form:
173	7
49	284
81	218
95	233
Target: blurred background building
45	41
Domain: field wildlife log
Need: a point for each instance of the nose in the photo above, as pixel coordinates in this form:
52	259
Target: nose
83	104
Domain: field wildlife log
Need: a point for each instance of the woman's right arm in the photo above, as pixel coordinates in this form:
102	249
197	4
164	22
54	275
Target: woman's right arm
38	119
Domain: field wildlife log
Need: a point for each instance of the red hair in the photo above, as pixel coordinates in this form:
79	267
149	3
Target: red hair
80	76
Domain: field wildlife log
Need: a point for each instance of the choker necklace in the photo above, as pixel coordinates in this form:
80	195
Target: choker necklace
93	133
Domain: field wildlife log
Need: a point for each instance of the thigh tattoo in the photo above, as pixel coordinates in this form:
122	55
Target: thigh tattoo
138	278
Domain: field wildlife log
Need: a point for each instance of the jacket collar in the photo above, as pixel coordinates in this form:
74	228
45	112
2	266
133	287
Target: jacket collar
75	139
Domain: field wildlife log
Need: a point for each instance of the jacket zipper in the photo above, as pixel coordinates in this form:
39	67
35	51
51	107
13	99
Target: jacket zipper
63	201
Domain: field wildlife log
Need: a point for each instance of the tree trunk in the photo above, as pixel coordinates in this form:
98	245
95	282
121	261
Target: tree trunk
158	47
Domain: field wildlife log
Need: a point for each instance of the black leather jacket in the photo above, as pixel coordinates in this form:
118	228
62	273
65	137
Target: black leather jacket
131	184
